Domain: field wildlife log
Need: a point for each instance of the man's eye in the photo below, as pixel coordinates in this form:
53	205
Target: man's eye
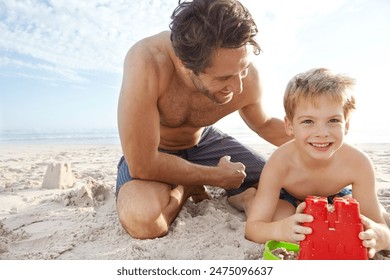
224	78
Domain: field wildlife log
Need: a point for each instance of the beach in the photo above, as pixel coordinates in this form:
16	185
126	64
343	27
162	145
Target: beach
79	222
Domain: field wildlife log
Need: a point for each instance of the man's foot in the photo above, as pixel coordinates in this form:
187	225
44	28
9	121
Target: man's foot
243	201
199	193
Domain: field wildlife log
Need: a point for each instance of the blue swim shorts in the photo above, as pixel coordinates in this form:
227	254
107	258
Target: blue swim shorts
294	201
212	145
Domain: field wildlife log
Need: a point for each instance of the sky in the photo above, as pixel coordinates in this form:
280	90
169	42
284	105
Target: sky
61	61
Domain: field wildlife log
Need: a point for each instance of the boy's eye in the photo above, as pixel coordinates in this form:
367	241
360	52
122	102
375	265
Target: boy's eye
334	121
307	121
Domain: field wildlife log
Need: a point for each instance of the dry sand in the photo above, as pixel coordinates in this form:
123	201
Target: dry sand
80	222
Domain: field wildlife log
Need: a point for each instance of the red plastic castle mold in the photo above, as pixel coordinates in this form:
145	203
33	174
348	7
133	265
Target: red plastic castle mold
334	232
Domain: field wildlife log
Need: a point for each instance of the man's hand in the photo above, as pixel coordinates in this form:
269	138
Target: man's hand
233	173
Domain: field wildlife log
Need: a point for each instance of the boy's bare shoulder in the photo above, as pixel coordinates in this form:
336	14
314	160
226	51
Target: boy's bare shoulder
353	150
283	154
286	149
354	154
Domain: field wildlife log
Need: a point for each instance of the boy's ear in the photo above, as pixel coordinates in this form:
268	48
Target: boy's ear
346	127
288	126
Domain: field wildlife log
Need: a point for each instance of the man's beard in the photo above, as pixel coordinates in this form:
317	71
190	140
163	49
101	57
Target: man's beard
205	91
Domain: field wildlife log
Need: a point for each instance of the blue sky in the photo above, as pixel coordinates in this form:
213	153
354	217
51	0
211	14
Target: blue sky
61	61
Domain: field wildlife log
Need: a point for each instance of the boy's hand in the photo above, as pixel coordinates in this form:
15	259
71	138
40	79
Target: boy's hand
296	231
375	236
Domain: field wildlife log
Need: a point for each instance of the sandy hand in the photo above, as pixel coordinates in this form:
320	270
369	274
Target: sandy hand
233	173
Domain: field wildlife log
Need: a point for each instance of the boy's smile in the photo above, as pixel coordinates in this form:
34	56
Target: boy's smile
319	127
321	147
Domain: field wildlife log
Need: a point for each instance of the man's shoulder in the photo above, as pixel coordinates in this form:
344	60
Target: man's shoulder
152	56
152	50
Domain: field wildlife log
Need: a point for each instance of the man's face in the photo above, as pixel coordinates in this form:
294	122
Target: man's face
223	79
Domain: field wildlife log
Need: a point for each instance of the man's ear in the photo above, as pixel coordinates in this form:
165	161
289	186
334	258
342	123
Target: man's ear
183	68
288	126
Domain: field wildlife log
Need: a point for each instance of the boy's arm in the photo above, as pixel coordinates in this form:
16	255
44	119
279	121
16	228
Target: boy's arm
376	235
374	232
260	226
363	186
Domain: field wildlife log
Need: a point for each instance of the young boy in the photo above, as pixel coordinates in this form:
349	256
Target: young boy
317	162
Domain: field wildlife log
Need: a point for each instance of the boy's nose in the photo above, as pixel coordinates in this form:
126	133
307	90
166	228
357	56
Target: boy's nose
322	131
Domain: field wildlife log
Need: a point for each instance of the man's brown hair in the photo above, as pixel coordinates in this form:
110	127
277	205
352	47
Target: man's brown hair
200	27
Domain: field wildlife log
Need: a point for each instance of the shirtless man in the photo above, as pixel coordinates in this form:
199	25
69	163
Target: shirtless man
175	86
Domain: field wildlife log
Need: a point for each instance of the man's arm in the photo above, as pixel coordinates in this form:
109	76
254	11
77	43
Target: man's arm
139	130
269	128
376	234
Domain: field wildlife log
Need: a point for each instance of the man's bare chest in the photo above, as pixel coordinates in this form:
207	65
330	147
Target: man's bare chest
196	111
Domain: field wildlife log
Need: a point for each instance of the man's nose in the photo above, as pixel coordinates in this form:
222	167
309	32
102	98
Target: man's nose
235	85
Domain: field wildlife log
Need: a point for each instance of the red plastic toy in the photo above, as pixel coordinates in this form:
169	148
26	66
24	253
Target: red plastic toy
335	232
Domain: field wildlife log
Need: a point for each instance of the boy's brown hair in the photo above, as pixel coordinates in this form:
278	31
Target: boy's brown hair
310	85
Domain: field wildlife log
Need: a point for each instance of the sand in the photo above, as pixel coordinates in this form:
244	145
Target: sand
80	222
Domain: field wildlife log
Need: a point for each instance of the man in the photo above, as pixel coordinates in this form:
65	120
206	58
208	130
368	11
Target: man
175	86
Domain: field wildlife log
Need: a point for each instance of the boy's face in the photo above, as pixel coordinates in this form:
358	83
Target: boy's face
318	130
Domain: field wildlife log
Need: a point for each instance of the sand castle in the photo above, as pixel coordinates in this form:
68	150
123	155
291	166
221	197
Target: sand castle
58	176
336	230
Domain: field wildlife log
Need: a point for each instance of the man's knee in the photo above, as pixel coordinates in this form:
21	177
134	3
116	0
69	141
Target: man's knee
146	229
138	218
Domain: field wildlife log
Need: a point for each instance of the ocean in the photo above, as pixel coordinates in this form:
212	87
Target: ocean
111	137
60	136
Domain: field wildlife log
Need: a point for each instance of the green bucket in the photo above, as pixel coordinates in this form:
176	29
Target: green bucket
272	245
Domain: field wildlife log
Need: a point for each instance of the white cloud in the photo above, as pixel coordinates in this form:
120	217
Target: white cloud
17	67
67	38
77	35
